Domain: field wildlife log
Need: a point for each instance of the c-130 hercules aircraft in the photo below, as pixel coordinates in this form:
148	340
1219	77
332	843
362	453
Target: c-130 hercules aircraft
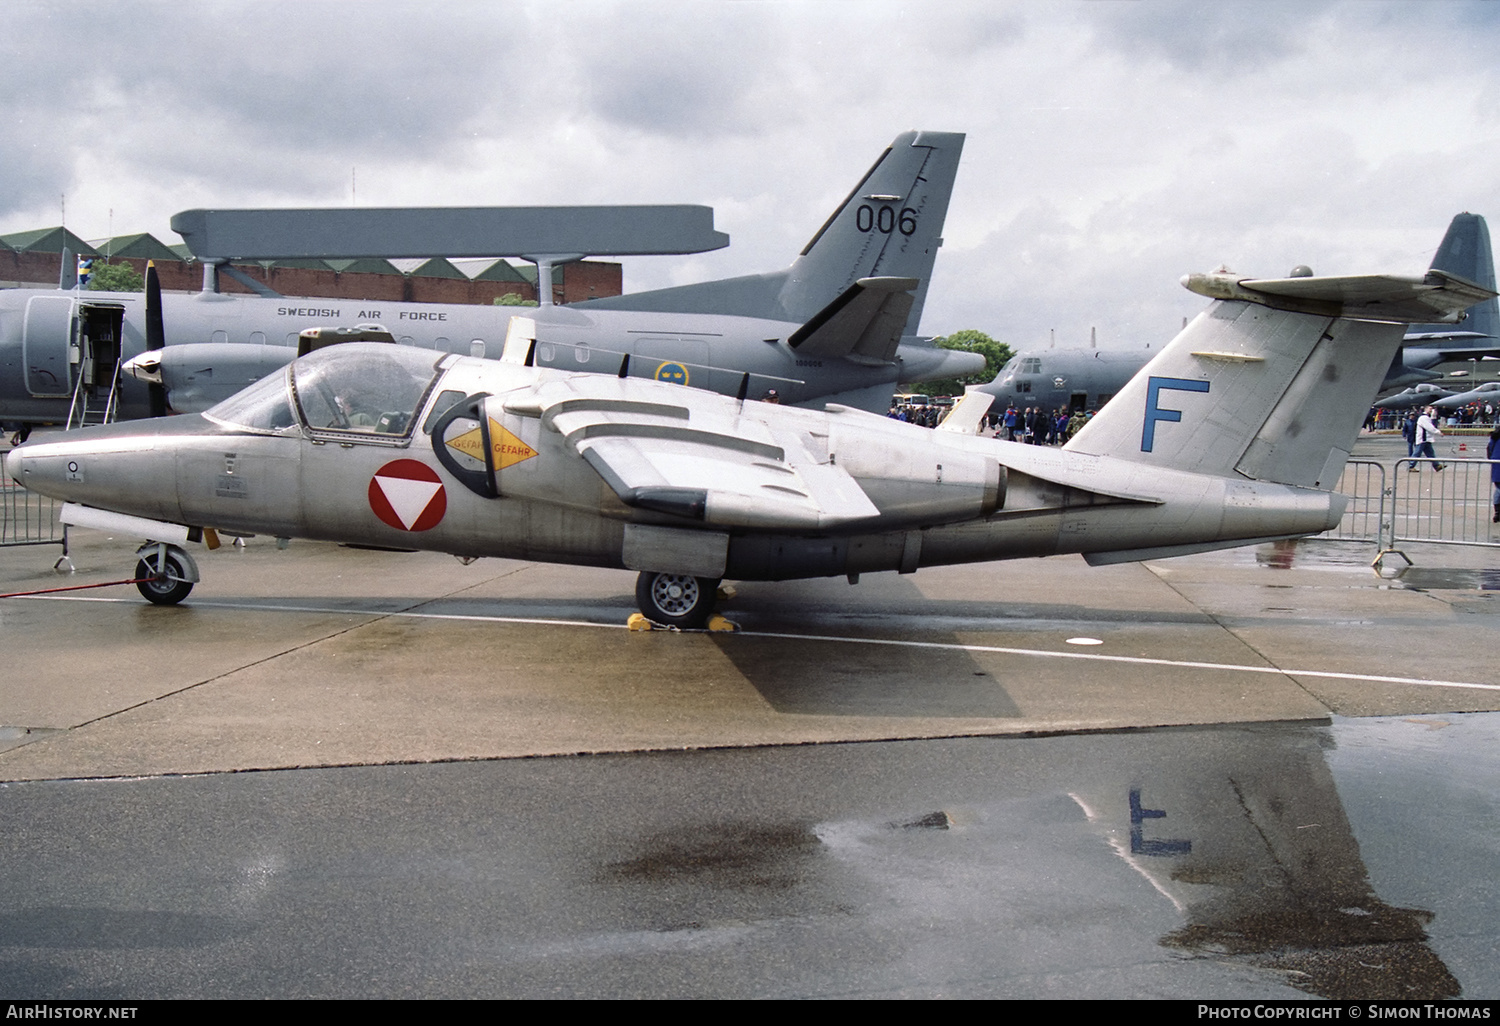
828	328
1234	434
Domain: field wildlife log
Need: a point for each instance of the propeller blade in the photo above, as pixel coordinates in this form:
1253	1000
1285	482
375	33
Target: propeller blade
156	336
156	332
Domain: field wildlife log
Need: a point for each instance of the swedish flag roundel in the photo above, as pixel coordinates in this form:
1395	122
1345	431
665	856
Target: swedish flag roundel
672	373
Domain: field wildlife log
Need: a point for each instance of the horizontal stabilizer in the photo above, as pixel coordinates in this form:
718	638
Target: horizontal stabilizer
1437	297
863	324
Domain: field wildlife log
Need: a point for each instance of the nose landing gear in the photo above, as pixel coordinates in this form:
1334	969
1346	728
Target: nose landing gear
165	574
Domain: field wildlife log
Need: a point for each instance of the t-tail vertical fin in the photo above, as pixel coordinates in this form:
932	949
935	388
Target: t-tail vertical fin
889	226
1273	380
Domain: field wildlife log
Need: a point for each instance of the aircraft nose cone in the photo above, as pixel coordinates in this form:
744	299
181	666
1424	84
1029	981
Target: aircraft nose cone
14	463
144	367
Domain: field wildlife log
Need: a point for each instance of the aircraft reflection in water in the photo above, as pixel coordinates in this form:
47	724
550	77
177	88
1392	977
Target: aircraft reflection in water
829	328
1240	833
1235	433
1086	379
1260	859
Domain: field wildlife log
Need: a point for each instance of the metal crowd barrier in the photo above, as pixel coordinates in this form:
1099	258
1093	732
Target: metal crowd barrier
29	519
1415	502
1367	517
1452	505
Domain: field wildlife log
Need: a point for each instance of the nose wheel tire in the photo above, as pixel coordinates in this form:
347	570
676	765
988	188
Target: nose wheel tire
159	590
676	600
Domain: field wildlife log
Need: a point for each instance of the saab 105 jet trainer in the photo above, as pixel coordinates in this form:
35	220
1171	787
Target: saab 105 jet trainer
1235	433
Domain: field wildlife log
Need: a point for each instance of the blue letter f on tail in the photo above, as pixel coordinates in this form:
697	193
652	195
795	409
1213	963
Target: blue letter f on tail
1155	413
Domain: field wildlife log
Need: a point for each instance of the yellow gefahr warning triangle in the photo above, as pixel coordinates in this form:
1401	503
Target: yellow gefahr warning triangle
506	449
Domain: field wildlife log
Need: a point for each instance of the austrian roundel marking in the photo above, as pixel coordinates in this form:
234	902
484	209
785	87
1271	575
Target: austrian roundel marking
408	495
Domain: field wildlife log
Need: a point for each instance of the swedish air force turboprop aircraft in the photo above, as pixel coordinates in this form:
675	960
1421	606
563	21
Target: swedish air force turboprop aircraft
1235	433
827	328
1079	379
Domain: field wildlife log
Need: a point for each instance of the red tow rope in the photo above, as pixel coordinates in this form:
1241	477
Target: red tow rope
78	587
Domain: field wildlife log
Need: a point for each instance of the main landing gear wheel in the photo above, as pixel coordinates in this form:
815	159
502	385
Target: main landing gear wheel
162	590
676	600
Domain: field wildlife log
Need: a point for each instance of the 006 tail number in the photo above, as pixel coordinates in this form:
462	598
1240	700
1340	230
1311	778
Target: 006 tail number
885	220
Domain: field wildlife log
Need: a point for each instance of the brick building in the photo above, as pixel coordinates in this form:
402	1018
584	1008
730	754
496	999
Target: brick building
31	260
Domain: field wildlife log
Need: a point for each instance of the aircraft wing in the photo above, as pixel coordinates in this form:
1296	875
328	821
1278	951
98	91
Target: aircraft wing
1463	355
1425	338
728	472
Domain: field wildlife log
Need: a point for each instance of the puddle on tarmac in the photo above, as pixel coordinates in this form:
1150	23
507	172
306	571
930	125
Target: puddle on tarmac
1425	578
1333	555
1318	555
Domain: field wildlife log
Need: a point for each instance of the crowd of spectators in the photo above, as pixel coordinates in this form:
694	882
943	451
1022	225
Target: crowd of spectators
1032	425
1475	414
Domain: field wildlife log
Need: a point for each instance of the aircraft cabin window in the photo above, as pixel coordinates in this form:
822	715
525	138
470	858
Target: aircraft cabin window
373	391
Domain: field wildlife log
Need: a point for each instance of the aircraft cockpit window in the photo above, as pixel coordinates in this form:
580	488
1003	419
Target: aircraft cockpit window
264	406
372	391
445	400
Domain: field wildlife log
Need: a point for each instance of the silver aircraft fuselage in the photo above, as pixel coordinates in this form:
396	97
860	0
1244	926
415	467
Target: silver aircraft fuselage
481	458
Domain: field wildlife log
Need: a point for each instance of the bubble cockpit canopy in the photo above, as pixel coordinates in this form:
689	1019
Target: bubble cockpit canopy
357	391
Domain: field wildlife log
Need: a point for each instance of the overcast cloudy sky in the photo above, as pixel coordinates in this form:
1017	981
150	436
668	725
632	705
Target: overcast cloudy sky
1112	145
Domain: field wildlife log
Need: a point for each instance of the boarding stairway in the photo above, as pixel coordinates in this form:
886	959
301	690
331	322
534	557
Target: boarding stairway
88	406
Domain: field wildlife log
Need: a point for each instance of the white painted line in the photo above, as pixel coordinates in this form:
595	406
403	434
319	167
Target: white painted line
1032	653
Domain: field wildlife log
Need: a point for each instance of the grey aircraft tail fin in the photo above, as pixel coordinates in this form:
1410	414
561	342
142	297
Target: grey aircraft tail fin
1273	380
1466	252
889	226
